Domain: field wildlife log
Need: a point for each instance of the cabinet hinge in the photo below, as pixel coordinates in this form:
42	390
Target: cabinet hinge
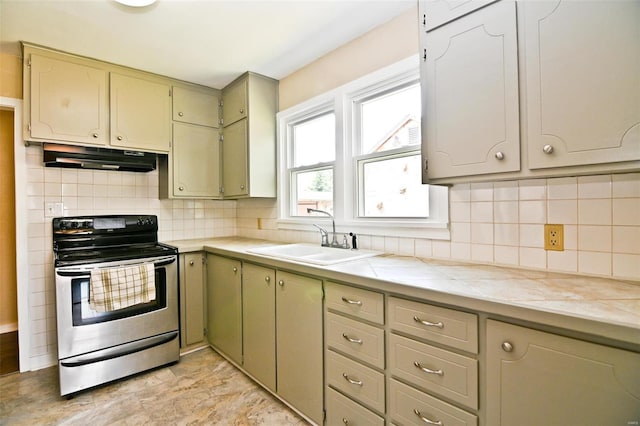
170	94
29	127
221	121
426	164
204	259
424	55
29	62
221	137
424	19
220	103
221	190
204	331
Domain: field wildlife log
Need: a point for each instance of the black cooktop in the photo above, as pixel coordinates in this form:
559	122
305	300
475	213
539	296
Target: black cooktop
108	238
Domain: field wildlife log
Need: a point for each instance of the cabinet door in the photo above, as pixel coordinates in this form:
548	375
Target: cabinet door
536	378
259	323
299	343
140	113
470	95
234	160
224	306
438	12
195	106
234	102
196	156
192	297
68	101
583	82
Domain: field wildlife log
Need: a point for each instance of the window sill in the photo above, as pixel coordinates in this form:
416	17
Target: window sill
408	229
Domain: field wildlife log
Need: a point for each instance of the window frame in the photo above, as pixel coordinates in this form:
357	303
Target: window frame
342	101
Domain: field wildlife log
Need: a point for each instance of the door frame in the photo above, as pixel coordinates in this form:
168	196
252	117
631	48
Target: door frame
22	234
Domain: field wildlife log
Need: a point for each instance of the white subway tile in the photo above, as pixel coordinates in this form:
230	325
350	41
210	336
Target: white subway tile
532	211
562	211
532	236
506	212
69	176
441	249
594	238
406	246
533	257
533	189
460	212
505	191
391	245
626	185
482	233
571	237
598	186
626	266
594	212
482	253
626	239
596	263
460	193
562	188
626	211
461	251
506	234
423	248
505	255
482	191
482	212
563	261
460	232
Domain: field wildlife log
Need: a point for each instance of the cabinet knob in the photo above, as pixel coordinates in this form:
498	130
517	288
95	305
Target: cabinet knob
180	114
281	283
267	278
547	149
500	155
119	138
181	188
345	421
235	269
507	346
241	110
241	186
191	262
95	135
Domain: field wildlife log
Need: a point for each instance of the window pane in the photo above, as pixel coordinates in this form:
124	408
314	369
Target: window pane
391	121
314	141
393	188
314	189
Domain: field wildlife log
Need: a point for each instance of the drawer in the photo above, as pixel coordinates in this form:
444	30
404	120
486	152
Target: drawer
436	370
361	383
364	304
409	406
362	341
446	326
343	411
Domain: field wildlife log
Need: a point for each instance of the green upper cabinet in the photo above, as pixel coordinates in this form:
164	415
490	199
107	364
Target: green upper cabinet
249	106
140	113
583	82
470	94
66	100
524	89
234	101
196	106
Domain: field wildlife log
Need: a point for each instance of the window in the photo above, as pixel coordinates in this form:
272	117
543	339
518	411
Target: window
355	153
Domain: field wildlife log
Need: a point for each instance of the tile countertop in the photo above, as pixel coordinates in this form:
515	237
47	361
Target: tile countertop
599	309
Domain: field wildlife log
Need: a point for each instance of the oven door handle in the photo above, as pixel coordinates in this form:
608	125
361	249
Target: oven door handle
118	351
78	271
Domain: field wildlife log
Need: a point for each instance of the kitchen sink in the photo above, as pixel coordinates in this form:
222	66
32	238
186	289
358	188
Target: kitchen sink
315	254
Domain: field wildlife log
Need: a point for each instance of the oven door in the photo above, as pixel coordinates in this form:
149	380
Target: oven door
82	330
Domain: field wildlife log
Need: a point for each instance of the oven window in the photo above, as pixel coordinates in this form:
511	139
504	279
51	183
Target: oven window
84	315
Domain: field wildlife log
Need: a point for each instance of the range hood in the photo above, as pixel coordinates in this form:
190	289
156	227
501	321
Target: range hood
70	156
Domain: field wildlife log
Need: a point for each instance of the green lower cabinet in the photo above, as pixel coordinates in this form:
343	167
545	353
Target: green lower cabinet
224	306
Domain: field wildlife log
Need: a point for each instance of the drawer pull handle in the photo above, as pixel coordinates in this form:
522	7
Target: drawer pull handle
351	339
438	324
427	370
352	302
350	380
426	420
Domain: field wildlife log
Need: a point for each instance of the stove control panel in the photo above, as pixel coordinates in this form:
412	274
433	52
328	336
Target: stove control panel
104	224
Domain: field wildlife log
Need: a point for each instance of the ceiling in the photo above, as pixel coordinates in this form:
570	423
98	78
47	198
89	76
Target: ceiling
209	42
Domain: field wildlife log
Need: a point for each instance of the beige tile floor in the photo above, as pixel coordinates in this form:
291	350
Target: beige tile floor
202	389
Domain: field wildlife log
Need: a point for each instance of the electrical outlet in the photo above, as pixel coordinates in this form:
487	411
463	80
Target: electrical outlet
54	209
554	237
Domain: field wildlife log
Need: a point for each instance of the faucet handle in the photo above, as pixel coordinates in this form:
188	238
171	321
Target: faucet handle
345	243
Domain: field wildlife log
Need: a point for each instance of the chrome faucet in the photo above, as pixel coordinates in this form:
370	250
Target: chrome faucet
325	242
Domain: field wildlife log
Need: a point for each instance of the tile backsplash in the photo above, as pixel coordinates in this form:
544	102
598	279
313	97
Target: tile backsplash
502	223
495	223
